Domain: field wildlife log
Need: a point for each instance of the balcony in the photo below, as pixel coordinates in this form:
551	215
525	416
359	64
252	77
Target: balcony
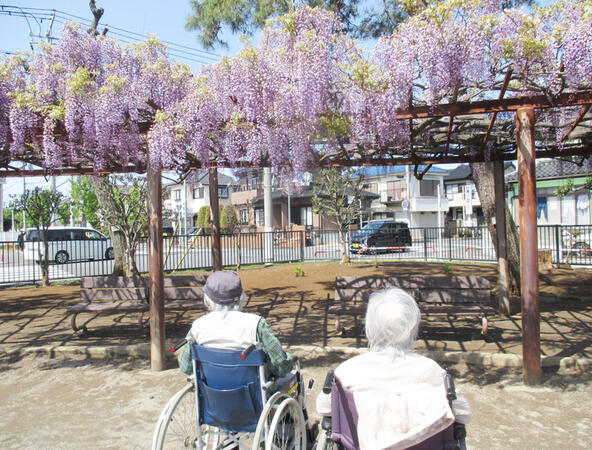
428	204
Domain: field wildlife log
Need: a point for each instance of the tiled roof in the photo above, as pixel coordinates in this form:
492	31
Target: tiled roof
463	172
374	171
556	168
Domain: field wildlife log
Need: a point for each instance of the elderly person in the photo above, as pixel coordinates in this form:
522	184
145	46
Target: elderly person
227	327
400	396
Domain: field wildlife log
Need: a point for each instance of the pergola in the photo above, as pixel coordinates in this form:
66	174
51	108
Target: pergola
524	148
305	96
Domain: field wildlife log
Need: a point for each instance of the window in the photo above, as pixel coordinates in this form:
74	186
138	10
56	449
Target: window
198	192
223	191
177	194
92	235
259	218
244	216
428	188
305	216
394	189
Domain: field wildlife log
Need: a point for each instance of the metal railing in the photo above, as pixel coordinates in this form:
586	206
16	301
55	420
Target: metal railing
568	244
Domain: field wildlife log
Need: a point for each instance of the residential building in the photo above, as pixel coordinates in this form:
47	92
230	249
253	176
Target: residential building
293	207
553	209
402	197
192	194
463	199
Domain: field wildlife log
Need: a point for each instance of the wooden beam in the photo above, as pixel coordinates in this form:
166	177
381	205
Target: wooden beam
501	95
575	124
215	216
500	229
529	271
156	270
499	105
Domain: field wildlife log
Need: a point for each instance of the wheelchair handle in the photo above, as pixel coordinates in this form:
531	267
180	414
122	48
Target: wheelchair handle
328	382
178	345
247	351
450	389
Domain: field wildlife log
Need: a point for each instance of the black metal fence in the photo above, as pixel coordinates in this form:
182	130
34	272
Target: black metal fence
567	244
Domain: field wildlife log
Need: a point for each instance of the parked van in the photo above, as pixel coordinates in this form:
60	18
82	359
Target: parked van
381	235
66	244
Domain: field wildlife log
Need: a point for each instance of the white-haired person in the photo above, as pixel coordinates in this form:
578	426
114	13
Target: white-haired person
399	395
226	326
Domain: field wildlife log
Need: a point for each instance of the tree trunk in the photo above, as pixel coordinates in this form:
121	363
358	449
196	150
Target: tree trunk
44	263
106	199
119	248
344	254
484	182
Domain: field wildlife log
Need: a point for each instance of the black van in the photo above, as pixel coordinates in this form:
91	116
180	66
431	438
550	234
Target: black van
381	236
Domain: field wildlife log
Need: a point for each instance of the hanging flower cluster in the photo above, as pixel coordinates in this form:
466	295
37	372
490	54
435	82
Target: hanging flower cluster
306	87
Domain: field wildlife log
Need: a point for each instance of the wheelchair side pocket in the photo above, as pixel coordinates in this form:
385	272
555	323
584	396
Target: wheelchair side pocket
231	409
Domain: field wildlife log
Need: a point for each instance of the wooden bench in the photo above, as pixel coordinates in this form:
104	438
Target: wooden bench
457	296
109	295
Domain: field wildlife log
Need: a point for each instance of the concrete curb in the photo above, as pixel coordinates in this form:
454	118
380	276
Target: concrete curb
304	352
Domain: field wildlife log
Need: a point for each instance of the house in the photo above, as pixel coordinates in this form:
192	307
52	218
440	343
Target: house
463	200
401	196
187	197
293	207
552	208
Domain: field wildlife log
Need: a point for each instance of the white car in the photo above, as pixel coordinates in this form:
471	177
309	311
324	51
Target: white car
67	244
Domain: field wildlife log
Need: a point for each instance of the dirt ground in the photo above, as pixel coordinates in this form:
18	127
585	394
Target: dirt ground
114	403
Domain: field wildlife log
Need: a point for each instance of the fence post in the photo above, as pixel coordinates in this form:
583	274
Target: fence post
302	244
449	246
558	244
425	244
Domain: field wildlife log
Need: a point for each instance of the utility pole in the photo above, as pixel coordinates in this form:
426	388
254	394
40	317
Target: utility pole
268	212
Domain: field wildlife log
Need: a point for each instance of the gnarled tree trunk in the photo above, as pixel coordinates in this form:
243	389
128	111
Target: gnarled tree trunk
483	176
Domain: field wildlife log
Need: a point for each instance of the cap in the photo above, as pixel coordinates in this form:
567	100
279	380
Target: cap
223	287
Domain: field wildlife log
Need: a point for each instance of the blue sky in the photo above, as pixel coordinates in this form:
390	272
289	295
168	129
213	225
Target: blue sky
166	19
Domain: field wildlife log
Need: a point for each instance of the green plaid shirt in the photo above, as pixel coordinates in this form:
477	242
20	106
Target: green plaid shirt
277	361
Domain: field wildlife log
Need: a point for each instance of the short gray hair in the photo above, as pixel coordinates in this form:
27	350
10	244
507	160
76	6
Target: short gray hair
236	306
392	321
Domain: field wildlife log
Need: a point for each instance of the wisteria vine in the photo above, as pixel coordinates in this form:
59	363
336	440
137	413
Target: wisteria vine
305	88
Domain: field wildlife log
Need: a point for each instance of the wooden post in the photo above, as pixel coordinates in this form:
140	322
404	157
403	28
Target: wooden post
500	229
156	269
529	273
215	215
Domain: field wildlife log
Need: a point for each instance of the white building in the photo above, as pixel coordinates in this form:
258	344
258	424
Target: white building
420	203
184	199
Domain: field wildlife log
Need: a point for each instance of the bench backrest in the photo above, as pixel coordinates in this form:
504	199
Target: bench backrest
429	289
111	288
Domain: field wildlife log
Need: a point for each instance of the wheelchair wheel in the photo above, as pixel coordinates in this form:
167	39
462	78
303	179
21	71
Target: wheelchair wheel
288	428
177	424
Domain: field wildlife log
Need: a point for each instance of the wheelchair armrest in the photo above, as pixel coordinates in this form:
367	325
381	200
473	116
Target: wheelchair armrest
328	382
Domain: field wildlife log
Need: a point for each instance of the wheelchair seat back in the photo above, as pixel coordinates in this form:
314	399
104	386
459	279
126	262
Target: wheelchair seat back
228	388
344	424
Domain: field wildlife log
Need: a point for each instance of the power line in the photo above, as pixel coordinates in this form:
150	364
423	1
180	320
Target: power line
39	15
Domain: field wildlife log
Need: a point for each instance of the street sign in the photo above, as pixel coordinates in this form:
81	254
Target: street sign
403	195
405	204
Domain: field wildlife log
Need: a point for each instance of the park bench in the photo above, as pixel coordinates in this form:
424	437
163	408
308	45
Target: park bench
449	296
109	295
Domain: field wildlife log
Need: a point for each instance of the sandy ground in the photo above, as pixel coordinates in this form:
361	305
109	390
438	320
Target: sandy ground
59	403
96	404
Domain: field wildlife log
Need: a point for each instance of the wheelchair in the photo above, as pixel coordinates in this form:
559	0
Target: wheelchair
339	431
230	403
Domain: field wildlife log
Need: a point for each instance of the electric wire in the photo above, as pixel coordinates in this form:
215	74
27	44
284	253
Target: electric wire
39	15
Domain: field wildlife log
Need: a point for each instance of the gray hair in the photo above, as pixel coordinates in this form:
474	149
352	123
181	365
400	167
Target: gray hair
213	306
392	321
